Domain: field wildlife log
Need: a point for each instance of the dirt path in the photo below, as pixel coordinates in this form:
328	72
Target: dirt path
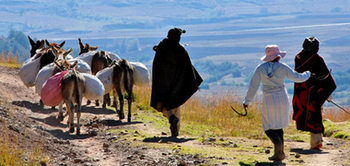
97	146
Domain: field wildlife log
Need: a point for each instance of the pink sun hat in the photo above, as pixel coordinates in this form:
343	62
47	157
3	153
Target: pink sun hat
272	52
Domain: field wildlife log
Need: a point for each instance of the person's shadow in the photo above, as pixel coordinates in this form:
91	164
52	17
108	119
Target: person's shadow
307	151
274	163
166	139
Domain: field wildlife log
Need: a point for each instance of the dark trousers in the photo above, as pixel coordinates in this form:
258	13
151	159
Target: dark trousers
273	133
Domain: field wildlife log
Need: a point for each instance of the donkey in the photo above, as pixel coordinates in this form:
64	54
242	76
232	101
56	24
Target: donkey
55	44
73	85
122	81
85	48
47	54
99	61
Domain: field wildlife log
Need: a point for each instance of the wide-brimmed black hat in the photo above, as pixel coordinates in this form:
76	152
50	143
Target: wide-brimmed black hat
310	43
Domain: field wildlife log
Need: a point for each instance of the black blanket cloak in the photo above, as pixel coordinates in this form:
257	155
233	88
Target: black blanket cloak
309	96
174	79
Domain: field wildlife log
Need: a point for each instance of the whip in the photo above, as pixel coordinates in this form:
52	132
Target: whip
338	106
244	114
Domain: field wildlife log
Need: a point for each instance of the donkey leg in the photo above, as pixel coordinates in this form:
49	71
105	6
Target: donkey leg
71	125
114	102
108	99
78	108
60	116
41	104
97	103
105	100
121	112
70	110
88	102
121	104
129	107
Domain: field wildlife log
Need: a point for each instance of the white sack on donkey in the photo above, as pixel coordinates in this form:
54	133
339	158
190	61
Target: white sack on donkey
106	77
94	88
44	74
87	57
28	71
141	74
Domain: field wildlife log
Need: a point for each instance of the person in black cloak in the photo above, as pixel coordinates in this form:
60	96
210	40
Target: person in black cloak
309	96
174	79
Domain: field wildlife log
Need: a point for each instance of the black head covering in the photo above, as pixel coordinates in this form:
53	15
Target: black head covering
310	43
175	33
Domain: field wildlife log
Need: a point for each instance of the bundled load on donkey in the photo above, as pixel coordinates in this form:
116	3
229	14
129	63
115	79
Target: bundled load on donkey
94	88
40	57
28	71
88	54
46	72
51	93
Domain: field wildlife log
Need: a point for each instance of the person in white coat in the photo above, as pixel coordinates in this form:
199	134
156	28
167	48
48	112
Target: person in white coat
275	101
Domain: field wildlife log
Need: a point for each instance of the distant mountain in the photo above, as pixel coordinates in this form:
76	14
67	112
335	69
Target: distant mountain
234	31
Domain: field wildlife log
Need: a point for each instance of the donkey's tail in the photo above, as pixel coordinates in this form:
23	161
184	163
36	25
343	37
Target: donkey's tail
128	75
77	99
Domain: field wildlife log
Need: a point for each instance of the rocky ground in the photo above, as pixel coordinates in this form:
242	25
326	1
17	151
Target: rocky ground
29	124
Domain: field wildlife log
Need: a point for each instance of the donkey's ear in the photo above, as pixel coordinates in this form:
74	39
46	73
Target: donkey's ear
47	42
67	52
81	45
93	48
74	64
59	66
61	45
31	41
54	52
42	43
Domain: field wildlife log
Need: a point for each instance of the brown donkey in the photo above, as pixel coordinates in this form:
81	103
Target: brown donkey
123	81
100	60
73	85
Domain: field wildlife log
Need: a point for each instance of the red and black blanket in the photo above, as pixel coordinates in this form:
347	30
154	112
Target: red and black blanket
174	79
310	95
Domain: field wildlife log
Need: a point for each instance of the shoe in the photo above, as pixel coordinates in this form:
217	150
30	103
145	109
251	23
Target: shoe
278	154
173	120
318	147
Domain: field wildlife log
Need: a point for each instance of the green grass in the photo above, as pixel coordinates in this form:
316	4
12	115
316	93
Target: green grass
15	66
337	130
212	118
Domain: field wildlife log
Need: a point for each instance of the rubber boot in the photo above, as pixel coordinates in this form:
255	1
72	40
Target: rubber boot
279	148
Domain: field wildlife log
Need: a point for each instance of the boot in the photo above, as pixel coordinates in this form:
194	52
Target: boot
316	141
173	120
279	148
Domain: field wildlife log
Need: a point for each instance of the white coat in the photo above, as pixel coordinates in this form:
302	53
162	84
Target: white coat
275	102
